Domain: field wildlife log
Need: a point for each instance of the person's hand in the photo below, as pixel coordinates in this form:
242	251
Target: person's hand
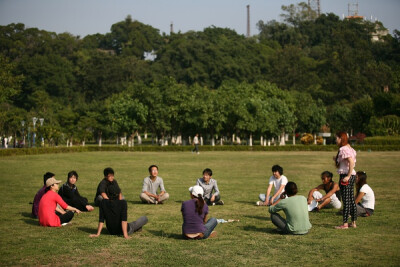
283	196
89	207
127	237
266	202
94	235
309	201
212	198
77	211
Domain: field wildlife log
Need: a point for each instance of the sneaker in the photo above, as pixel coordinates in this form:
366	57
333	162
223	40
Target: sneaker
260	203
213	234
64	224
156	202
220	202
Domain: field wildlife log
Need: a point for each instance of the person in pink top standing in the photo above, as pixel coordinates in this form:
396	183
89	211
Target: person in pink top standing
48	203
345	161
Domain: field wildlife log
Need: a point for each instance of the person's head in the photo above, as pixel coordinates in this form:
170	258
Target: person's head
109	174
153	170
197	192
277	171
113	192
207	174
52	184
342	139
46	176
72	177
361	179
291	189
326	177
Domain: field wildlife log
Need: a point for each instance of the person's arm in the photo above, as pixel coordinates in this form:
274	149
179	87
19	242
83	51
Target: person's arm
162	188
60	210
334	189
99	228
359	197
351	168
266	202
73	209
124	225
205	219
120	196
104	195
278	193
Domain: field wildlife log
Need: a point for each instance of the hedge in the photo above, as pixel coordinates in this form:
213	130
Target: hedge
382	140
150	148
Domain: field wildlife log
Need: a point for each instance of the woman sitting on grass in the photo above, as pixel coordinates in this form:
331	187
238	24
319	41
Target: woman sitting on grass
194	212
365	195
48	204
330	188
69	193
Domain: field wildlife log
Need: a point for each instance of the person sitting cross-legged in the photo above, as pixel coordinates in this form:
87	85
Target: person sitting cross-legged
114	211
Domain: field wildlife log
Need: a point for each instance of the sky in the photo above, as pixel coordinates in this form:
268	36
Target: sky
84	17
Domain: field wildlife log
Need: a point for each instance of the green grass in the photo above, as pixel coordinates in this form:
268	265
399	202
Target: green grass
241	177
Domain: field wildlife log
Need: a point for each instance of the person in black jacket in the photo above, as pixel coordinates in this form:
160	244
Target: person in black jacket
114	211
69	193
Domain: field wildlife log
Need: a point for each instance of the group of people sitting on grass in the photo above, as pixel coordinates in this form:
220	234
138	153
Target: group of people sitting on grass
54	209
55	206
296	208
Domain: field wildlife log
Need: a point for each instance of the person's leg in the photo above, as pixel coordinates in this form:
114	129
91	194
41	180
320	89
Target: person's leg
97	200
335	202
218	200
137	225
66	217
261	197
345	192
146	199
210	225
361	210
352	203
163	198
278	221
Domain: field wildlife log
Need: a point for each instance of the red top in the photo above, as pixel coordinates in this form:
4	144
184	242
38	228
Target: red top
47	209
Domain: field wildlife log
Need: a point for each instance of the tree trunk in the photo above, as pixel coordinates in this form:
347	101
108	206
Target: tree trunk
251	140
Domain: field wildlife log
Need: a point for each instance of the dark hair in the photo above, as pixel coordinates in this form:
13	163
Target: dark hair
327	174
208	171
46	176
277	168
291	189
344	140
199	203
72	173
108	171
362	180
151	167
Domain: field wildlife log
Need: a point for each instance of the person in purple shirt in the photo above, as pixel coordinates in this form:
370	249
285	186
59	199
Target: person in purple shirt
194	213
39	195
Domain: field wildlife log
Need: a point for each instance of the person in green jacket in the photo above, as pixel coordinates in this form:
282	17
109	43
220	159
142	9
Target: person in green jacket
295	209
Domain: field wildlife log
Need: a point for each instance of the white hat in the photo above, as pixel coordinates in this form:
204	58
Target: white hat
196	190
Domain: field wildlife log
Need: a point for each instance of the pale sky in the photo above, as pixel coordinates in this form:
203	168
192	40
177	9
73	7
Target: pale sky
83	17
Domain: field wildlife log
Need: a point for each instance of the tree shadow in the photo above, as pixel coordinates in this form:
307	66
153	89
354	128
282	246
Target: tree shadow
161	233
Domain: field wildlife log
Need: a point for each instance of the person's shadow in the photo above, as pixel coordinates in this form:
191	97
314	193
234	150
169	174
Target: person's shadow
161	233
29	219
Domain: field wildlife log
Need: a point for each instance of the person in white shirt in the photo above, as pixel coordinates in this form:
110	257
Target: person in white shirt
365	198
279	181
151	184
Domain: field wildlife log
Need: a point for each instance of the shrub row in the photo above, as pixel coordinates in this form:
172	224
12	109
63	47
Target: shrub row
382	140
49	150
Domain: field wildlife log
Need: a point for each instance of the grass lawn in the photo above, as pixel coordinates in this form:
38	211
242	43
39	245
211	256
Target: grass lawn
241	177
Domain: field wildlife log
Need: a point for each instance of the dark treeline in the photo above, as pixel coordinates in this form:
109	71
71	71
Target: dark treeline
299	76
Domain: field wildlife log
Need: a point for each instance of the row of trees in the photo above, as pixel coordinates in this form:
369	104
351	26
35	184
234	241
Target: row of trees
294	76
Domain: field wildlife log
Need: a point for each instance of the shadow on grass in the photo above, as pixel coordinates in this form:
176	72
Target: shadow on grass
164	234
263	218
179	201
253	228
137	202
251	203
91	230
29	219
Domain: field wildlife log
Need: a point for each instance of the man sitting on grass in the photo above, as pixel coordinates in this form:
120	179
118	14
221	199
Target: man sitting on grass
150	186
295	209
115	212
103	187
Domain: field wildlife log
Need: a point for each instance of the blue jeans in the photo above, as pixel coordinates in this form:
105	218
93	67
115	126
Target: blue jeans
210	225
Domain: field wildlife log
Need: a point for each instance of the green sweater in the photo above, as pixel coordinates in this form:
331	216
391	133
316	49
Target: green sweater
296	211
